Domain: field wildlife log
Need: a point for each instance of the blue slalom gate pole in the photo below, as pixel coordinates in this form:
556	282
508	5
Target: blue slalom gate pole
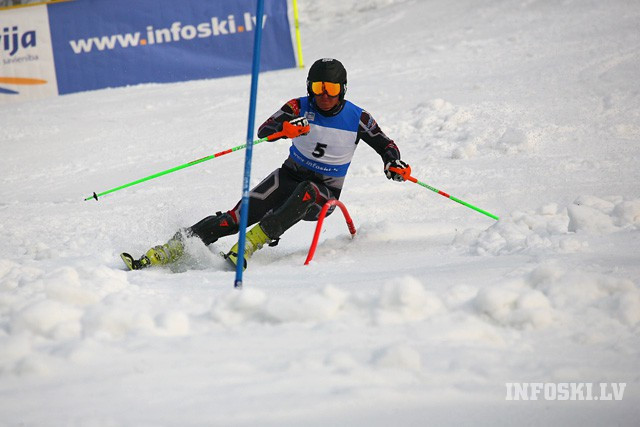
244	206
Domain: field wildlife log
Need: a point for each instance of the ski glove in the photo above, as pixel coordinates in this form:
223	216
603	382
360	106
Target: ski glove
295	127
400	171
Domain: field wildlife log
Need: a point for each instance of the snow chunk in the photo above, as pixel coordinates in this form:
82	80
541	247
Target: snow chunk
403	301
48	318
114	322
35	364
522	309
173	323
14	347
628	307
462	132
604	296
598	216
627	214
254	305
398	357
514	141
324	305
553	228
406	300
65	285
585	218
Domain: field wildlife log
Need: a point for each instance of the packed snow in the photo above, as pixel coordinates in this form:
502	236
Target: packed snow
528	109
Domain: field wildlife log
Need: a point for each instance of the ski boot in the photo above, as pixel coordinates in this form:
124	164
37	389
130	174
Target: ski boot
256	238
158	255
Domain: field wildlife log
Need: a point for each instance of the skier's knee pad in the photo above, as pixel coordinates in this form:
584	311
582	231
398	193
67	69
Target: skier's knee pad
293	210
313	213
323	194
213	227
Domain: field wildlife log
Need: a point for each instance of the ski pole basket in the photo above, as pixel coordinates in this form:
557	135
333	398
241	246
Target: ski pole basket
323	213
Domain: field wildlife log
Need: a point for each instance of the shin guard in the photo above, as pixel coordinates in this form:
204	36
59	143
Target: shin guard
213	227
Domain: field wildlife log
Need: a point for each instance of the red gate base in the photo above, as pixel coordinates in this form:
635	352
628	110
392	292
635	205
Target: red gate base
323	213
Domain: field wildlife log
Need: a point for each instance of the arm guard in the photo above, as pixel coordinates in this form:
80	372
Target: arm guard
370	132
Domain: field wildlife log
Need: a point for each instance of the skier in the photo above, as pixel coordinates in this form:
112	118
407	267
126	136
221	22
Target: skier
330	128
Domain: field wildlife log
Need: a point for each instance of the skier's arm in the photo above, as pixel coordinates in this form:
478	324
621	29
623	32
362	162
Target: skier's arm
287	112
370	132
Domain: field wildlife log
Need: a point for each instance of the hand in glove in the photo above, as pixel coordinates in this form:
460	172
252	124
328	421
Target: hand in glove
295	127
397	170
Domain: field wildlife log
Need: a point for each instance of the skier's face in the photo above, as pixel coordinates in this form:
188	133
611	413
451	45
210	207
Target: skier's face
326	102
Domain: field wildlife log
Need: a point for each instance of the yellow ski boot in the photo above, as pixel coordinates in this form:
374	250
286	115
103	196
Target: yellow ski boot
255	239
158	255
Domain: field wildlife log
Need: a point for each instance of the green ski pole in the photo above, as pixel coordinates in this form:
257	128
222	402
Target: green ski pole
288	132
406	174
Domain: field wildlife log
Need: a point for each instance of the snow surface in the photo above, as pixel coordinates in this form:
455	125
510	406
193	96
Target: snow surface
528	109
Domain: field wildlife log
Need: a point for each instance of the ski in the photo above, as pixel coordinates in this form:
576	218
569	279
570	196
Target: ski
134	264
232	257
144	262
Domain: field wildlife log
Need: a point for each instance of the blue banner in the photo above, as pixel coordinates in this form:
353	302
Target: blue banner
110	43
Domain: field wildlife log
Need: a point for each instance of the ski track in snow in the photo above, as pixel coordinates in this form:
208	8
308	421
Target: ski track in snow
530	110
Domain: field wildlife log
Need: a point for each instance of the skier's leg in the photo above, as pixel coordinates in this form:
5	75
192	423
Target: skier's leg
213	227
304	197
301	204
263	197
267	196
272	192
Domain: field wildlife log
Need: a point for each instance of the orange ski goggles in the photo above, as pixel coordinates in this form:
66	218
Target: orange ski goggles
332	89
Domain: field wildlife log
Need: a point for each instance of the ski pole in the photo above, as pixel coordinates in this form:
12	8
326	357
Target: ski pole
406	174
290	131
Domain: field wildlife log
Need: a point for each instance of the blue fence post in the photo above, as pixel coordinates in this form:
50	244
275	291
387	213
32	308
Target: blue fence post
246	183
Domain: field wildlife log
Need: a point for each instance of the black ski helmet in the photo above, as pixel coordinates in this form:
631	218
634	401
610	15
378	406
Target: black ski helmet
328	70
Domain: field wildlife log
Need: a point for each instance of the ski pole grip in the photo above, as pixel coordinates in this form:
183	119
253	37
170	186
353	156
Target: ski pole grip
405	173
